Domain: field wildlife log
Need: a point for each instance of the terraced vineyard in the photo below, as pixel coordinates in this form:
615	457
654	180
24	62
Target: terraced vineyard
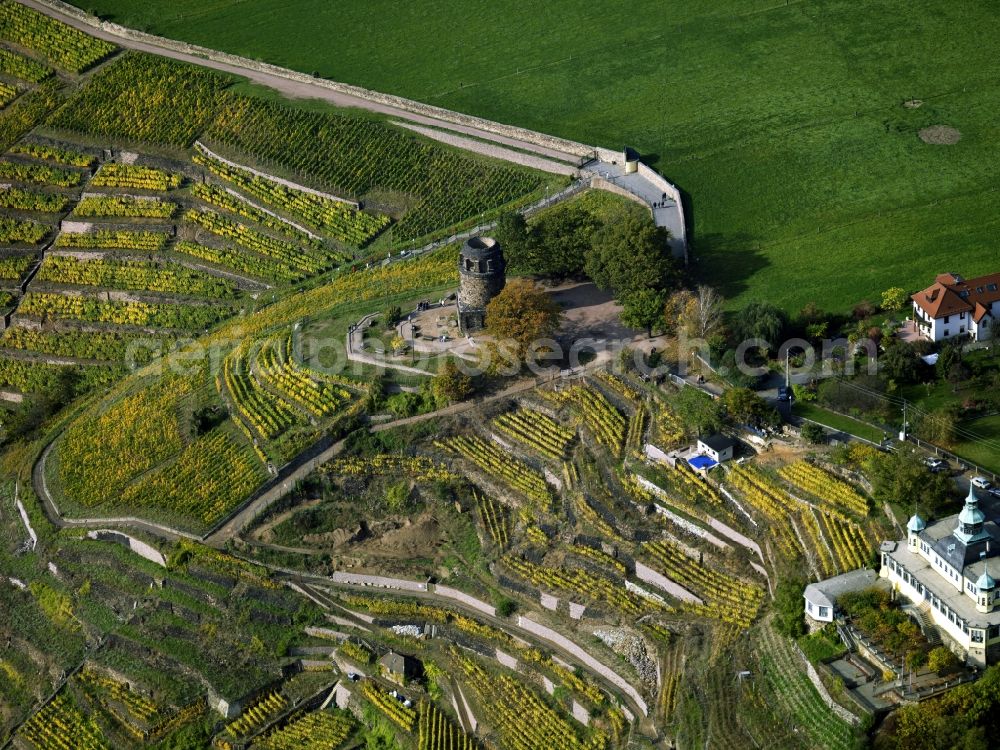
295	258
537	431
607	424
54	154
19	66
282	374
112	346
134	177
266	413
47	306
40	174
238	206
143	242
509	470
436	732
523	720
62	45
493	519
32	200
336	218
838	496
727	598
246	263
124	206
404	718
318	730
62	726
255	716
577	582
798	697
148	276
770	501
145	99
14	232
354	157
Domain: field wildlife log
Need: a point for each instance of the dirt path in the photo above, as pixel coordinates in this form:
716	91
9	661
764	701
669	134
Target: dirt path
489	149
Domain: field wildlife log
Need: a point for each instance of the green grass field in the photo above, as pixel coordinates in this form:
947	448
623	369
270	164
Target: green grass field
783	123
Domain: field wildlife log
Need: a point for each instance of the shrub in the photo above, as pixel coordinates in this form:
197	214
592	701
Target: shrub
813	433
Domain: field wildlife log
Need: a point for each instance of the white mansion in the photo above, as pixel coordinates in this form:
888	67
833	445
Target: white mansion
944	570
952	307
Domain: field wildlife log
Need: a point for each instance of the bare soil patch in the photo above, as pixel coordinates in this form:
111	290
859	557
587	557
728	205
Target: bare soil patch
940	135
913	103
405	539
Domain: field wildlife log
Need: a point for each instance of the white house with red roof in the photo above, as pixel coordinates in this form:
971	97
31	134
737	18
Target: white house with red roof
953	307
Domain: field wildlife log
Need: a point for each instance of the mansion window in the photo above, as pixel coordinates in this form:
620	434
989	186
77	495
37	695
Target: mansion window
977	636
824	611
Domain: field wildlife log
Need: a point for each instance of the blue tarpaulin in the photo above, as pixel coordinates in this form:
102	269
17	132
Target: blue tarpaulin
701	462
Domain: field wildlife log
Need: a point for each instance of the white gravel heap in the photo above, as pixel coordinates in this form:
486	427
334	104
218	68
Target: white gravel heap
632	647
414	631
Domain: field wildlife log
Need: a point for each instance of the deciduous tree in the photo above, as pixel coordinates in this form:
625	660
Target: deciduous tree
451	384
644	309
894	298
522	313
631	253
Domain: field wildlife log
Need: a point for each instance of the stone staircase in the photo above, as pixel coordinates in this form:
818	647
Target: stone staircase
922	614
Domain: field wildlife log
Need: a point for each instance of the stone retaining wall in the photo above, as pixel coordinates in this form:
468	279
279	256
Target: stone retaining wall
382	582
814	678
566	644
469	601
140	548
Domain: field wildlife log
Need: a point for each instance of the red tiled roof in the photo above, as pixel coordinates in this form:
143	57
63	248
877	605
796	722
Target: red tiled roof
951	294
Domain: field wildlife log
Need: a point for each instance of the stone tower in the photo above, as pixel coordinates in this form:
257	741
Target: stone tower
481	268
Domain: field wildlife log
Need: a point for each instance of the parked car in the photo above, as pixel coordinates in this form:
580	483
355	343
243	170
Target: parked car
936	465
995	492
784	393
981	482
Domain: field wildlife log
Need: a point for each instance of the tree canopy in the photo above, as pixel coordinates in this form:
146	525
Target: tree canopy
631	253
761	320
451	384
554	246
901	477
523	313
644	309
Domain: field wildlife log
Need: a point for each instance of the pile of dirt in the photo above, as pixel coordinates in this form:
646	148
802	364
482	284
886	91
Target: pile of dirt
418	538
336	538
913	103
940	135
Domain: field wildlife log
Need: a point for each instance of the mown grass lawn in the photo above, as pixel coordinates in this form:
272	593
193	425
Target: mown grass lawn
982	453
783	123
837	421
